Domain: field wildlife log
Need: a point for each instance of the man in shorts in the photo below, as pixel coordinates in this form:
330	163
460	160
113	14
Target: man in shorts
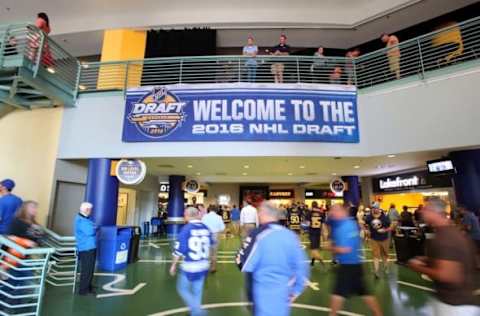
379	226
316	219
346	246
393	53
282	49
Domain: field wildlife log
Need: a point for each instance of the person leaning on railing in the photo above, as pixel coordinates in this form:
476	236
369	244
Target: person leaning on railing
282	49
85	235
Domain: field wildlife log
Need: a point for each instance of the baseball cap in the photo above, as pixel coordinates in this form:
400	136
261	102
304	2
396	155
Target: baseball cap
9	184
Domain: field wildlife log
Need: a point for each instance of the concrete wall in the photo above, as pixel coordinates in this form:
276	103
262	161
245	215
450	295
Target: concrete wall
28	150
439	113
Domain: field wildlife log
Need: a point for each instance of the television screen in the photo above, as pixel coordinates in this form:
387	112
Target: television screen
443	166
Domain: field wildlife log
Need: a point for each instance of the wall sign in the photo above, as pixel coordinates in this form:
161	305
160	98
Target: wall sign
131	172
192	186
322	194
337	186
409	181
242	112
281	194
164	187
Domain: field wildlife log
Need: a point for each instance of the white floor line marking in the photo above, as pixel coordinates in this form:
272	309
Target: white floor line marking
312	285
153	245
116	291
242	304
425	277
416	286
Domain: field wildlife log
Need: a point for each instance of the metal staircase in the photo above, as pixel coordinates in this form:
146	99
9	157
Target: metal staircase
34	70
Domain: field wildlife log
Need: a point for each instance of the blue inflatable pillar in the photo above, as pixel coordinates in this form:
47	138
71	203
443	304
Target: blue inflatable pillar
352	192
467	179
102	192
175	206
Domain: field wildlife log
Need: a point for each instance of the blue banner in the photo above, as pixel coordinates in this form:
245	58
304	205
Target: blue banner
242	112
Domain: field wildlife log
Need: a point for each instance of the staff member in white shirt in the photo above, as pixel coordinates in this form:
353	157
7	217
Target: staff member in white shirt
248	219
215	224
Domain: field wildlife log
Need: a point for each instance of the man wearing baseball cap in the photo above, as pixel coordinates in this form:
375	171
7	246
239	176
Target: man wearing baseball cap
9	203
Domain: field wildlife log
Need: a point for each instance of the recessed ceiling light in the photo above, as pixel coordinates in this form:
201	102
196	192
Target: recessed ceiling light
290	174
198	173
302	167
392	156
51	70
246	166
189	166
356	167
244	174
82	87
334	174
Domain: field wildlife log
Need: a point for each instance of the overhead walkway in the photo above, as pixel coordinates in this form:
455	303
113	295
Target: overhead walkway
34	70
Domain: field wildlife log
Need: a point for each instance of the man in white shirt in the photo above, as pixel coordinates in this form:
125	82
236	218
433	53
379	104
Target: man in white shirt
248	219
215	224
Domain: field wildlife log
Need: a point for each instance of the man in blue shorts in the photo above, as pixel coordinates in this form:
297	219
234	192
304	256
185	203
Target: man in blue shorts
193	244
346	245
274	261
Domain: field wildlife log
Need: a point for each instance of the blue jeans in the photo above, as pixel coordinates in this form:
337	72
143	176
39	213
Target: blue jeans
251	72
191	293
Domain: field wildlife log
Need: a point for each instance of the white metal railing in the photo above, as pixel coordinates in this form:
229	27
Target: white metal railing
22	278
63	265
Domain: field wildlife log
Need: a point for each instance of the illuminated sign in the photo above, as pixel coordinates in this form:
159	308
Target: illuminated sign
410	181
164	187
131	172
281	194
398	182
337	186
321	194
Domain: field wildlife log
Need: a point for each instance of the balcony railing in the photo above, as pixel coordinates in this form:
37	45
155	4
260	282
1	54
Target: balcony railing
455	44
26	46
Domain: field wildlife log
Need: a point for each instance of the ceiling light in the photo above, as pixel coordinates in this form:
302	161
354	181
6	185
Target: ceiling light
290	174
51	70
302	167
334	174
189	166
198	173
391	156
356	167
246	166
85	65
244	174
82	87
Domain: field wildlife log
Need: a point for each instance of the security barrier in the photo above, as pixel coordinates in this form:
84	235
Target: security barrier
22	278
63	265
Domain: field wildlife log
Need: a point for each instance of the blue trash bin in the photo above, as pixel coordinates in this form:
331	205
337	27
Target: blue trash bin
114	244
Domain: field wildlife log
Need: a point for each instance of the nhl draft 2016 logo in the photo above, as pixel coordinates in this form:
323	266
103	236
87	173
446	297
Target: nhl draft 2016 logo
158	113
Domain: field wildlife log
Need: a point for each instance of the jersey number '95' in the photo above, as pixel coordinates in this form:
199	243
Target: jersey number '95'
199	247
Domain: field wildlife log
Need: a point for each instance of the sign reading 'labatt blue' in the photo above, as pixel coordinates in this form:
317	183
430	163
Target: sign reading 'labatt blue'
242	112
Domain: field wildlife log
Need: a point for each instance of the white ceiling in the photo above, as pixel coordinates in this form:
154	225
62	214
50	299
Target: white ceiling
331	23
285	170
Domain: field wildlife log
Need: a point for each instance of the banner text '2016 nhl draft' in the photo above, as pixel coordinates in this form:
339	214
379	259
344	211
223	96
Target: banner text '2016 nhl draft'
242	112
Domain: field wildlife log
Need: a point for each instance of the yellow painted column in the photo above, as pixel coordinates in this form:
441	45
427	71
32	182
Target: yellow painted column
120	45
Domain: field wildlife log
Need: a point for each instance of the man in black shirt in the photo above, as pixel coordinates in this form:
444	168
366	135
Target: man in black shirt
282	49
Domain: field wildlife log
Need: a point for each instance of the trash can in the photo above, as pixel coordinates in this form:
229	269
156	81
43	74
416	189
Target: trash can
134	244
114	245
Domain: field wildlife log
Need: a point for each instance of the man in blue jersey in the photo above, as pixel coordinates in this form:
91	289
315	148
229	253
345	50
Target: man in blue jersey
346	245
193	245
9	204
275	262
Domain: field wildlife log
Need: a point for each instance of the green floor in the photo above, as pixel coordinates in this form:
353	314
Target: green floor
401	292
